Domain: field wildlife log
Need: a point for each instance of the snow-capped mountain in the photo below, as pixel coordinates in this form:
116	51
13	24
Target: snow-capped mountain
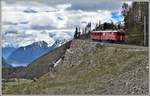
4	64
25	55
21	47
22	38
7	51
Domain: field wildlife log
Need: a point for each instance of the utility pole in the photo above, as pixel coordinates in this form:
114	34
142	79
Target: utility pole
144	30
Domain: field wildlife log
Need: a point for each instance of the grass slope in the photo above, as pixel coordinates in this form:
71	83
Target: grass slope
93	69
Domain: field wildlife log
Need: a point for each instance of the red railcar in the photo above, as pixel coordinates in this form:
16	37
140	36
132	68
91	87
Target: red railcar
108	35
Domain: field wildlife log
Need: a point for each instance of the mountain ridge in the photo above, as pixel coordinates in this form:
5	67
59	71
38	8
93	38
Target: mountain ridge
25	55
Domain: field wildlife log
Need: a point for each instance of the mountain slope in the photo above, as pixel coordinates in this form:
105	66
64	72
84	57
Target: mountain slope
4	64
7	51
25	55
42	65
6	69
93	68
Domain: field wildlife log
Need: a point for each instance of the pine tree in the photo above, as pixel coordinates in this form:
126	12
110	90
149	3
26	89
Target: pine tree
76	33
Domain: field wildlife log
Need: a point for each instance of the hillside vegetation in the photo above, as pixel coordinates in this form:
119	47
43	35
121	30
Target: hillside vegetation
93	68
136	18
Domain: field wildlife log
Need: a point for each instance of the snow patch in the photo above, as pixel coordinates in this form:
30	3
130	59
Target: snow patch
57	62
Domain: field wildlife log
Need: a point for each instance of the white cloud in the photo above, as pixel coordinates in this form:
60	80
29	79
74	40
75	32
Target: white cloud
63	6
56	17
48	18
128	2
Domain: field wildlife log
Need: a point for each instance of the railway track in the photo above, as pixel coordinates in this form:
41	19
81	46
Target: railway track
119	45
124	46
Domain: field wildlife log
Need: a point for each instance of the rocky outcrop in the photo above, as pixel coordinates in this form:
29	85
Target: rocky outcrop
77	49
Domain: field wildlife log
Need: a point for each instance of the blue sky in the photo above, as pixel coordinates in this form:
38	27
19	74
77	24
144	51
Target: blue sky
117	16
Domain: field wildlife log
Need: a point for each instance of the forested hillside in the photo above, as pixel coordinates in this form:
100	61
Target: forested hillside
136	19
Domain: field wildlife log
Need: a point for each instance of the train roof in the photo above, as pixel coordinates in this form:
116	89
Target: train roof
107	31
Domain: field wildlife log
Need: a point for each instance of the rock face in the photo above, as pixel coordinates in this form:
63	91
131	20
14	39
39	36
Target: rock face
77	49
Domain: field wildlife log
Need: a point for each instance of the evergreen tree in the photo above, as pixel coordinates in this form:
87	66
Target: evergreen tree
76	33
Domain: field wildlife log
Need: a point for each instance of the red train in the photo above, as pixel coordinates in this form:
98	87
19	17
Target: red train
108	35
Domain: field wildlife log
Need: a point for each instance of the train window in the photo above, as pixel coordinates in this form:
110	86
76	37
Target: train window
109	33
113	33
